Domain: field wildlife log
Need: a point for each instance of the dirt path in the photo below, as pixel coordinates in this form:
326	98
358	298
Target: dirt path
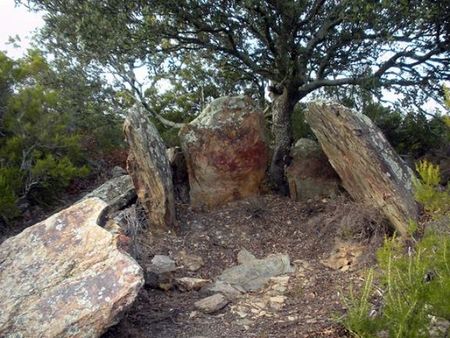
267	225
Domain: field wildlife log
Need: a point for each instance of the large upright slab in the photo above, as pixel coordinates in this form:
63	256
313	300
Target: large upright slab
65	277
225	151
370	169
150	170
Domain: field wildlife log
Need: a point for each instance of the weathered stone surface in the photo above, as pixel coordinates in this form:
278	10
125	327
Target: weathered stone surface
118	171
254	274
189	283
159	274
117	193
226	152
226	289
150	169
244	257
345	256
188	261
370	170
162	264
65	277
212	303
310	175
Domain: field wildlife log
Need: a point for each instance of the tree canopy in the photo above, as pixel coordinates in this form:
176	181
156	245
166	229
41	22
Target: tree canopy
298	46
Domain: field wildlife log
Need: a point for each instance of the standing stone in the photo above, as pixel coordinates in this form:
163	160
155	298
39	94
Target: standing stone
370	169
65	277
150	169
226	152
310	175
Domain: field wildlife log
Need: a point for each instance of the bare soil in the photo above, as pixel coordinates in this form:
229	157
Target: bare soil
307	232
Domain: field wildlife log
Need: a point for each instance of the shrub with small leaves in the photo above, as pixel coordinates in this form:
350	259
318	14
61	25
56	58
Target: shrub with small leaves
413	279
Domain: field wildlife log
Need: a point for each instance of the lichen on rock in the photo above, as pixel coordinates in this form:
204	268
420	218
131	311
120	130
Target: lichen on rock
65	277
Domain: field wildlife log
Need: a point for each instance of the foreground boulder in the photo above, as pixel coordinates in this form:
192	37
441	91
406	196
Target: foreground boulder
150	169
370	170
65	277
225	151
118	192
310	175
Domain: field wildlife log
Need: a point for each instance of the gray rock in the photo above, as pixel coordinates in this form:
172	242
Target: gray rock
439	327
244	257
254	274
117	193
226	289
212	303
190	262
189	284
162	264
118	171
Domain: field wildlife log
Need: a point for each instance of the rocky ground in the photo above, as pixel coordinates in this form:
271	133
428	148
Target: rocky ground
329	244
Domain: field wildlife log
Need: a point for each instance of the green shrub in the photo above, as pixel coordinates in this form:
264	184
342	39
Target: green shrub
10	183
40	149
414	280
426	190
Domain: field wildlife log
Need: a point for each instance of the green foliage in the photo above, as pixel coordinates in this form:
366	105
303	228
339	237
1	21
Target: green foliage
415	286
48	118
300	129
426	190
10	183
414	281
412	134
170	135
357	319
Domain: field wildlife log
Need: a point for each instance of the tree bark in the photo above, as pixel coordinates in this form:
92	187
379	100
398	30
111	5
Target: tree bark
282	109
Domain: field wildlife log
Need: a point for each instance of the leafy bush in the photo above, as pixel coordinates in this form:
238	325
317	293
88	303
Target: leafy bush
436	202
41	143
414	280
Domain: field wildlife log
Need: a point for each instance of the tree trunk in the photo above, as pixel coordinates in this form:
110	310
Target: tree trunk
282	109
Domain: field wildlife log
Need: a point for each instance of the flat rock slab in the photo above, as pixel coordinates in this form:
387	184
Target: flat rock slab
188	261
162	264
255	273
65	277
212	303
370	169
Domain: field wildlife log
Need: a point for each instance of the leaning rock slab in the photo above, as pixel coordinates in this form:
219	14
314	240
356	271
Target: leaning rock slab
370	170
150	169
225	151
65	277
310	175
